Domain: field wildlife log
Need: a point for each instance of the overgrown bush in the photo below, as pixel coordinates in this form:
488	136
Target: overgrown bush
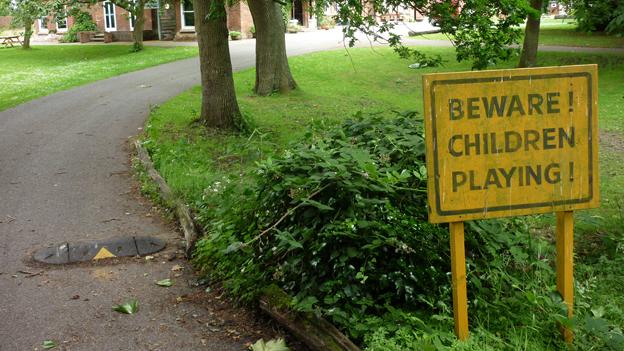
324	220
339	221
82	23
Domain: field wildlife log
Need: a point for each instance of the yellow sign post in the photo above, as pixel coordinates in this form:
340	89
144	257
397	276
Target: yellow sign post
507	143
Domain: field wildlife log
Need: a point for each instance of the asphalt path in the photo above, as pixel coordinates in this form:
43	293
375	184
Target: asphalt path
65	176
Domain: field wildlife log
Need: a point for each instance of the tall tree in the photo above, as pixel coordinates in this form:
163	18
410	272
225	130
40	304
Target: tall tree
219	108
528	57
272	69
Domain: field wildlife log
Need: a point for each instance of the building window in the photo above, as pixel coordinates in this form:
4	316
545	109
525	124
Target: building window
188	14
131	18
110	23
61	24
43	24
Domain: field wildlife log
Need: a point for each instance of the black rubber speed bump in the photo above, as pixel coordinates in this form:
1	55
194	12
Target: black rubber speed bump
96	250
58	254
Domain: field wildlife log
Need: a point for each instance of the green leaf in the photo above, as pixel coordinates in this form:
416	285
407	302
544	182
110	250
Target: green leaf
271	345
165	282
290	240
317	204
49	344
128	307
596	325
235	246
305	304
598	312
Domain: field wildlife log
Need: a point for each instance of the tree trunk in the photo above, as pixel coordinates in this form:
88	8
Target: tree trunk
528	58
272	70
28	31
219	107
139	24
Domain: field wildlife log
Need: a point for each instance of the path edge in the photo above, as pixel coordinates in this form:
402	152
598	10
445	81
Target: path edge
179	207
316	332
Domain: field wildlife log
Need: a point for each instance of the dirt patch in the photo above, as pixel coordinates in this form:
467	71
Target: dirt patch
611	141
210	313
238	323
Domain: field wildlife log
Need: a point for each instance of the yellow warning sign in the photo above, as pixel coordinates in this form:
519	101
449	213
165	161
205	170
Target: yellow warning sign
103	253
511	142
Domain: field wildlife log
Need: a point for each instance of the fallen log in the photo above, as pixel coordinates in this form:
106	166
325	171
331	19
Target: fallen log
316	332
183	213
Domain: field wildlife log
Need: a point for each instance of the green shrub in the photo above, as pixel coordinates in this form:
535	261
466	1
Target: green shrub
616	25
337	206
599	16
339	221
82	23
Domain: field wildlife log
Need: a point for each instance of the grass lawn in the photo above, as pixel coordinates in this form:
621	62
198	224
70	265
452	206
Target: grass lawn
559	33
333	86
28	74
565	34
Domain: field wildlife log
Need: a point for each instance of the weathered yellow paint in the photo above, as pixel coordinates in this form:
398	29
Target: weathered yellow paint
458	271
540	155
103	253
565	265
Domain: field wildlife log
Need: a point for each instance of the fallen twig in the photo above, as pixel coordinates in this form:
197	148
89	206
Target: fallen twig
288	212
30	274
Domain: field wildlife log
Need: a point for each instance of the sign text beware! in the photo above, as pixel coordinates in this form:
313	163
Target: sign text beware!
511	142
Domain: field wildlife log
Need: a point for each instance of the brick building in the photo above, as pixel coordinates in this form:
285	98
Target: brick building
5	21
175	20
107	17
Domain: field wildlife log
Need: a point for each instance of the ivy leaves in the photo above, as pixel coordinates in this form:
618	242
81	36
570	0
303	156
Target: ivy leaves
323	220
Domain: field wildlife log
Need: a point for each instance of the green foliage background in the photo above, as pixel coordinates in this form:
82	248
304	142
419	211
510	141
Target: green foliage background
599	16
82	23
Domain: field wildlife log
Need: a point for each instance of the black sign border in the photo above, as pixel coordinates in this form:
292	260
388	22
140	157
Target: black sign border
590	95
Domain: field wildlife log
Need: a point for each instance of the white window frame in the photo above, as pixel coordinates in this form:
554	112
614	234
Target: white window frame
130	22
59	29
113	28
42	29
183	26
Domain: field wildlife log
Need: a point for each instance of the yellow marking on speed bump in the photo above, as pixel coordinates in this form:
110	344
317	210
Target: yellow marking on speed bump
103	253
